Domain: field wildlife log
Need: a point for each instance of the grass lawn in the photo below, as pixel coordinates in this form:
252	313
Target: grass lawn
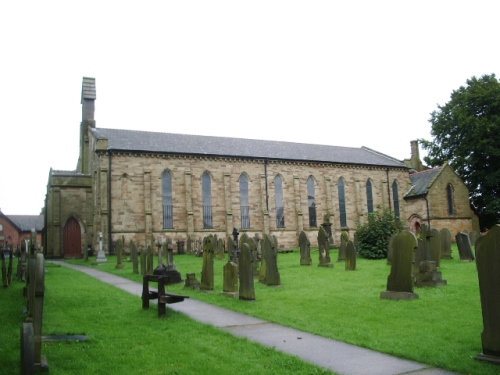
124	339
442	328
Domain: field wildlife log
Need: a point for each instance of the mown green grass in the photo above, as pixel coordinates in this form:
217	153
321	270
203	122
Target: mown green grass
125	339
442	328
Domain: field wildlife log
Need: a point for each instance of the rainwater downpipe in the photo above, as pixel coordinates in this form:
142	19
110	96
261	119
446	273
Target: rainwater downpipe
109	202
428	211
388	189
265	175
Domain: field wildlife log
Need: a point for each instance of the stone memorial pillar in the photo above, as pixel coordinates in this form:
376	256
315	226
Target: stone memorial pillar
101	256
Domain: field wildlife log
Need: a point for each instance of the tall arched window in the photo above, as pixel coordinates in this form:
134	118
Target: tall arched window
450	199
395	199
280	209
343	215
369	196
311	202
244	204
206	183
168	212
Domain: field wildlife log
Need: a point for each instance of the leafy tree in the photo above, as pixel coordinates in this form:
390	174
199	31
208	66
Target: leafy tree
372	236
466	133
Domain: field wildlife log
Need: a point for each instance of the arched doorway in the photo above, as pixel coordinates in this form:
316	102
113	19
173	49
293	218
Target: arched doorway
72	239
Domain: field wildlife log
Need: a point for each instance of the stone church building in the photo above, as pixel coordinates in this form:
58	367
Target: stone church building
138	184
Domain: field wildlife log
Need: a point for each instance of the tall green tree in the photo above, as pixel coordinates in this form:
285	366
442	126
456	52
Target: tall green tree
466	133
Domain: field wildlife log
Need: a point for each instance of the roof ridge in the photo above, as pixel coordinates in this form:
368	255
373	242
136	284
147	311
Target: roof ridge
425	171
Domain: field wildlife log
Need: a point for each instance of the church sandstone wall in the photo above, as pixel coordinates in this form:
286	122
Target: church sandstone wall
136	195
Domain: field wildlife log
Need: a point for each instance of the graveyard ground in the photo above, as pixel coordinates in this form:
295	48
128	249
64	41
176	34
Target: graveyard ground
442	328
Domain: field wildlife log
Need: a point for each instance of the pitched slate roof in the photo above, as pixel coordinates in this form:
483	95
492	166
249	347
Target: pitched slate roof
137	141
422	181
26	222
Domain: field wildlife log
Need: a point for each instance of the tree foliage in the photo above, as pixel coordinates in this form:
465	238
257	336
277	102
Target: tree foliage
466	133
372	236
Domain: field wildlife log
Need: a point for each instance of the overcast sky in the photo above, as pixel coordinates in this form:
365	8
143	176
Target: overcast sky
344	73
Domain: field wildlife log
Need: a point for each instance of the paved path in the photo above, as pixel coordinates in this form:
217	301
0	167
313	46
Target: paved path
342	358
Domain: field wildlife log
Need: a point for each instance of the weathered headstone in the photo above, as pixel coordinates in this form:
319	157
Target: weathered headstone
189	246
207	272
488	270
230	247
390	248
40	360
221	254
230	280
473	236
324	249
119	254
464	247
425	267
271	275
133	256
191	282
435	245
327	226
445	237
400	280
143	258
350	260
245	268
344	238
305	249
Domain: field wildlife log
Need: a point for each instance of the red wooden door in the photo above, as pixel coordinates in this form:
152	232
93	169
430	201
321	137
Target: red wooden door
72	239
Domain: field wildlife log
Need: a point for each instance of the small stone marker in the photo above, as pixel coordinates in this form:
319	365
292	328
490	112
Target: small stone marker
119	254
305	250
400	280
191	282
445	237
350	260
464	247
488	270
101	256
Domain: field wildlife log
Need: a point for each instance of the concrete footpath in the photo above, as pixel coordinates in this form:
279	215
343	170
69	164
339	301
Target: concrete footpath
342	358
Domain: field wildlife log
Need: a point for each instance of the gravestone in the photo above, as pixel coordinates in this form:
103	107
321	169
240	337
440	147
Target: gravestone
101	256
488	270
425	267
230	248
445	237
473	236
40	360
400	280
305	250
350	259
191	282
390	248
464	247
435	245
143	261
230	280
119	254
149	260
189	246
221	253
245	268
269	269
133	256
344	238
324	249
327	226
207	272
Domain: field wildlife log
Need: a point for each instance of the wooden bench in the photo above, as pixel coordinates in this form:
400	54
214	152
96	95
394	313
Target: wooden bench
163	296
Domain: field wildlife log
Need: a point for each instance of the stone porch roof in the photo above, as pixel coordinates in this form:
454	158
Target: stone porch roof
422	181
155	142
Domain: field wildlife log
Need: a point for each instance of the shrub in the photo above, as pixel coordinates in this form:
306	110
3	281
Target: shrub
372	236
